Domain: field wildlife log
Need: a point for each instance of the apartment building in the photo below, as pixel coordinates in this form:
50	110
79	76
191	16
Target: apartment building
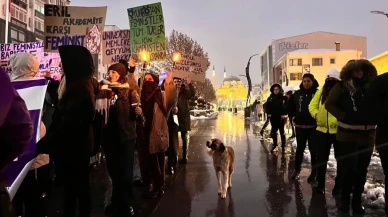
289	69
314	40
25	20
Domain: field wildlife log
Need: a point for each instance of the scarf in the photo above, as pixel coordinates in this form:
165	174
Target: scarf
150	94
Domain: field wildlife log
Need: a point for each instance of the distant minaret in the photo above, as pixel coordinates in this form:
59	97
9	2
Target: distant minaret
214	78
224	72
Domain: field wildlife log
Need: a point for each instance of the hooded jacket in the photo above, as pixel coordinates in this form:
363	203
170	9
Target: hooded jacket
71	132
22	66
346	103
298	106
276	104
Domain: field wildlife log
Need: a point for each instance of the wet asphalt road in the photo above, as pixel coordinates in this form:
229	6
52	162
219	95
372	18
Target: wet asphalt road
261	182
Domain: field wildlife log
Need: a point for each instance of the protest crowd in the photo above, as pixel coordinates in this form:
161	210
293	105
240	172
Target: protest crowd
56	115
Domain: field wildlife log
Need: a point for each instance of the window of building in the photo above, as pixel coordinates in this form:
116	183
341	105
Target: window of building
317	62
295	62
39	25
296	76
39	7
332	61
19	13
17	35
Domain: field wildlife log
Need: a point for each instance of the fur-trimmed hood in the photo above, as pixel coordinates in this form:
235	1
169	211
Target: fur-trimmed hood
370	72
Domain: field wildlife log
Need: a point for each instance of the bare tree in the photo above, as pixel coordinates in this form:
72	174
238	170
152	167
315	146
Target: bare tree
180	42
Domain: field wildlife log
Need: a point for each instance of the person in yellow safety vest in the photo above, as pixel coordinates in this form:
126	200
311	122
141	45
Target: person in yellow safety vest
326	133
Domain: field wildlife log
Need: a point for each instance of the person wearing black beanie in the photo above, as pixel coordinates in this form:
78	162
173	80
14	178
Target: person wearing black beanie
305	124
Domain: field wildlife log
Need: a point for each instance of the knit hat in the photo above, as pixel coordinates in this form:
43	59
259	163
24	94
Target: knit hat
333	73
119	68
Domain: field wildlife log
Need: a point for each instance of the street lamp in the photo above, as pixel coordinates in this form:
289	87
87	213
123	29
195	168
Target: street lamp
380	12
249	79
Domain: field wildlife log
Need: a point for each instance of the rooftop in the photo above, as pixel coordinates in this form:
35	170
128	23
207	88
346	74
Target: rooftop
318	50
231	78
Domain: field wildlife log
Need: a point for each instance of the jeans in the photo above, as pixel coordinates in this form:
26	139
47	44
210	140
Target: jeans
184	145
355	167
323	142
120	163
76	186
277	124
304	135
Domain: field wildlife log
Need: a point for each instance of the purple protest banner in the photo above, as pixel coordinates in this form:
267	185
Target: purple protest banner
47	61
33	93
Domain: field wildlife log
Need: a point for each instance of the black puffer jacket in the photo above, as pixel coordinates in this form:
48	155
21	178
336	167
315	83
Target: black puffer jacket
276	104
298	105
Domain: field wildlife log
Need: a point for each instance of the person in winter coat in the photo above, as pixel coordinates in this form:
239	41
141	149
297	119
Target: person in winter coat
259	110
24	66
276	108
120	140
16	130
266	123
173	148
70	137
156	106
289	94
325	134
376	102
355	132
184	96
298	110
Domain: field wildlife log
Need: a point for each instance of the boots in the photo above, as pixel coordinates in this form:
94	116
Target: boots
357	205
313	176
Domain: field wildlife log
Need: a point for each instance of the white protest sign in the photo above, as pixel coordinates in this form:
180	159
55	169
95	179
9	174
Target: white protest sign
193	66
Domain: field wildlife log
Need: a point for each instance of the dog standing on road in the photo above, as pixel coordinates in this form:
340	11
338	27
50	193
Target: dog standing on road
223	160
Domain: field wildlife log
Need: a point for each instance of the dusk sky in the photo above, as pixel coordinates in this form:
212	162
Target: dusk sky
231	31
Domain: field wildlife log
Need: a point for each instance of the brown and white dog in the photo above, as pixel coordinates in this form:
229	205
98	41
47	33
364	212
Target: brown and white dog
223	160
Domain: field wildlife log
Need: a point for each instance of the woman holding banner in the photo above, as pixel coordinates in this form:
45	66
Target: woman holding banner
24	66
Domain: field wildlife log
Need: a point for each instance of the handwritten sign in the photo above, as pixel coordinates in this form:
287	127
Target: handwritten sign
147	31
193	66
115	46
68	25
47	61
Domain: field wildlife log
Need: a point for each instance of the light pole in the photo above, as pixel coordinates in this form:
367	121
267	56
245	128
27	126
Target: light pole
249	79
380	12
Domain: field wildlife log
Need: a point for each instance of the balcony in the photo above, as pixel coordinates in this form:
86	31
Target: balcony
39	15
20	3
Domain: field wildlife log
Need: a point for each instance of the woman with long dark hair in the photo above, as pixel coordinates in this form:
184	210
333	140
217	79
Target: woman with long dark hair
355	133
325	134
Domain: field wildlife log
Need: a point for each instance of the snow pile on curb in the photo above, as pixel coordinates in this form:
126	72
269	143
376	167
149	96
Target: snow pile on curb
374	196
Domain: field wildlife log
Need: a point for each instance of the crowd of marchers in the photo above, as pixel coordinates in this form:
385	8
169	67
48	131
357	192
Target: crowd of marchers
81	116
350	113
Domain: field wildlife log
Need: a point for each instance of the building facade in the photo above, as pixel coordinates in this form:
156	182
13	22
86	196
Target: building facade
289	69
380	62
25	20
314	40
